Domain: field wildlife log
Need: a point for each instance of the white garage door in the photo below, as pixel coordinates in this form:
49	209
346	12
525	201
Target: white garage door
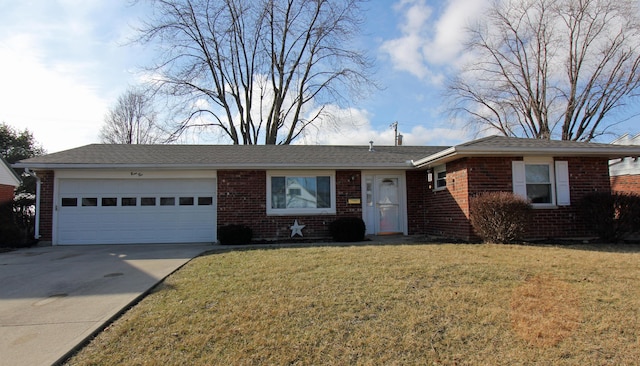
119	211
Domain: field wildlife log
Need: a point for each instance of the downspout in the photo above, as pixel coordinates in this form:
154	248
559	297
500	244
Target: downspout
36	232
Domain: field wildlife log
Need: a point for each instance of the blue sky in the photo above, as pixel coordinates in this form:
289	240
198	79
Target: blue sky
64	63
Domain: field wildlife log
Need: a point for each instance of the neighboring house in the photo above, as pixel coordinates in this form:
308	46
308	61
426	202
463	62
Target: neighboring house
625	172
182	193
8	182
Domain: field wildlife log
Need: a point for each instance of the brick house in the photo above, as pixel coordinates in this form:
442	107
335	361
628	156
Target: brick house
8	182
182	193
625	172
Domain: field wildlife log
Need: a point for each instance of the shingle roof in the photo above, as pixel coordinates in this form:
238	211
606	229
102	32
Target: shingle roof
503	142
230	156
512	146
312	156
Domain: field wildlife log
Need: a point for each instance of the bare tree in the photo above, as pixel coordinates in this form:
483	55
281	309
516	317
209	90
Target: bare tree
256	69
550	68
131	120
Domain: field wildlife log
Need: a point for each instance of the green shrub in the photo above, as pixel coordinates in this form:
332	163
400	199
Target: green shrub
235	234
611	215
499	217
347	229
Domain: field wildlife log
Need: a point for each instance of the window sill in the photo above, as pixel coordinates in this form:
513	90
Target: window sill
301	213
544	206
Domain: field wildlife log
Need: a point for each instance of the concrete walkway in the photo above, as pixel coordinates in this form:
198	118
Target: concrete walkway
53	298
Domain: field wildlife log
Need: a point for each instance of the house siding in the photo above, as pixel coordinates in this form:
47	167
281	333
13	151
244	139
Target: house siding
242	200
447	211
46	204
626	183
417	190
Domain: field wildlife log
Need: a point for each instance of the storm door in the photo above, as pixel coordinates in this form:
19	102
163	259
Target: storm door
383	208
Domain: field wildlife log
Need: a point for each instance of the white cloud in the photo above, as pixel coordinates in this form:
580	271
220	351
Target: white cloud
62	65
405	52
354	128
61	112
428	43
449	38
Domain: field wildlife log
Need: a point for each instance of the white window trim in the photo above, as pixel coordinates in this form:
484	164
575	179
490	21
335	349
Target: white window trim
436	170
302	211
558	176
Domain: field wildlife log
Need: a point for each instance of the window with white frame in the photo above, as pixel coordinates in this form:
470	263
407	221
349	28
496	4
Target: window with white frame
440	177
300	192
542	181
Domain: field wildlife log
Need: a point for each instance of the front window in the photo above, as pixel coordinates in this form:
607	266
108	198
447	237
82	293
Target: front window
542	181
440	177
296	193
538	180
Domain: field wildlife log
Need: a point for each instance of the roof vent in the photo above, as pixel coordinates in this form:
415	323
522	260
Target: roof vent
371	146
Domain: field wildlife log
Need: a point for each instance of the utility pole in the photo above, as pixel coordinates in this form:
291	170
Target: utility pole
397	139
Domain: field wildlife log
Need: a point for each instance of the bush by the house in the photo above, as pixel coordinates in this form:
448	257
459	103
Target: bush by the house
499	217
235	234
347	229
16	227
611	215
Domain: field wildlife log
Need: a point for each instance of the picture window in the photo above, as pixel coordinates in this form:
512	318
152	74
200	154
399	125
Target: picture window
304	194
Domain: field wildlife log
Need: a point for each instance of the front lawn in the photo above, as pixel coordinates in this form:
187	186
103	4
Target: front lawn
374	305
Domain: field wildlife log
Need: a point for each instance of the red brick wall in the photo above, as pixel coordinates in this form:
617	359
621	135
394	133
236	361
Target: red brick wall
242	200
586	175
447	211
417	189
6	193
46	204
626	184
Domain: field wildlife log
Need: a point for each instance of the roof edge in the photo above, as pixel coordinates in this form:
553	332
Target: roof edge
42	166
457	152
15	177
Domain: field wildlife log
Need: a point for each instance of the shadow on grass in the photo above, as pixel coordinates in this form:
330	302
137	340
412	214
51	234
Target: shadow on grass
605	247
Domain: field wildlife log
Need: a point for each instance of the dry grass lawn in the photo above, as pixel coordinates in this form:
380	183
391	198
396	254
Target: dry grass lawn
387	305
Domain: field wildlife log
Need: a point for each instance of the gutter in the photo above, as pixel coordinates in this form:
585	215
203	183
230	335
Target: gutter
241	166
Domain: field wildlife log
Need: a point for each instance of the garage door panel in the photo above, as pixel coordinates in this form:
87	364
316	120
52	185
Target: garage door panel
136	224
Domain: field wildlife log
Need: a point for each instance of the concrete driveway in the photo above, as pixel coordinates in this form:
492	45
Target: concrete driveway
52	298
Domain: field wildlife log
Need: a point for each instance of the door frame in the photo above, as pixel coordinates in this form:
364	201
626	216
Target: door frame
369	213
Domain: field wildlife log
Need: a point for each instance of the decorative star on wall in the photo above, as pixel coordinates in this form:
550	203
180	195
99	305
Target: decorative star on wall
296	229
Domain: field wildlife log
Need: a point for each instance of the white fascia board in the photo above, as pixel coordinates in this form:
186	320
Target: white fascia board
7	175
606	151
437	158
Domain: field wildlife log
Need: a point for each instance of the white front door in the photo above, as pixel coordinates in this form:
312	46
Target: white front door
387	194
383	204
